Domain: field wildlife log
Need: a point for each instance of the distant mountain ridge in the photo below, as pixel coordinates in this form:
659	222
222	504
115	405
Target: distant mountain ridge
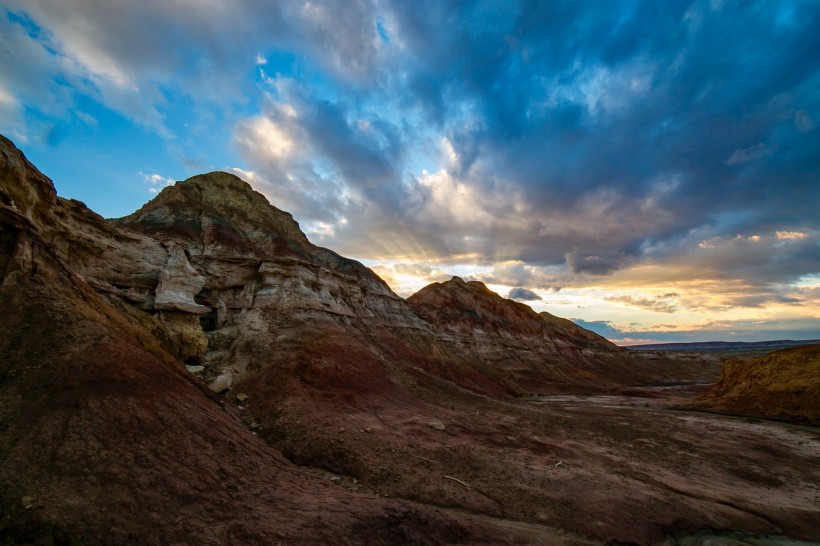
716	346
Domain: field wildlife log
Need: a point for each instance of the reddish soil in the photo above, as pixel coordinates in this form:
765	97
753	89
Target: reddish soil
602	468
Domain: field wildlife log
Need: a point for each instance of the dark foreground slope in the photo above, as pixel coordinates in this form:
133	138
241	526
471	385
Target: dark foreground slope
781	385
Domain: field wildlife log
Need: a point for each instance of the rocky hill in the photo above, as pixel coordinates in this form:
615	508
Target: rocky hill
105	437
199	372
531	351
240	279
781	385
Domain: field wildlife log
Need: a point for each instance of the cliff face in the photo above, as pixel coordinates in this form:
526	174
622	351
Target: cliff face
472	309
246	294
246	299
234	289
782	385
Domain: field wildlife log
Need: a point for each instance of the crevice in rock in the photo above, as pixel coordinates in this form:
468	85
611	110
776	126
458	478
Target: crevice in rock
208	321
193	361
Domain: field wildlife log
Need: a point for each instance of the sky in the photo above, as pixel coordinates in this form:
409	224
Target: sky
649	169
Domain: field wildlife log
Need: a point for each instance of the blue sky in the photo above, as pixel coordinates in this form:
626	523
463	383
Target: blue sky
649	168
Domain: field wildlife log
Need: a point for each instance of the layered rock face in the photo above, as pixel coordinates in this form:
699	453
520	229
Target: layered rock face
472	308
106	438
782	385
274	307
239	294
534	352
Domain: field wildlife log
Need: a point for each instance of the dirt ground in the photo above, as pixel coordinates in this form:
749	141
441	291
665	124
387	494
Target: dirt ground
574	469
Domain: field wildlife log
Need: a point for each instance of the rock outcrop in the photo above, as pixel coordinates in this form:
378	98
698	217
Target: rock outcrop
227	278
783	385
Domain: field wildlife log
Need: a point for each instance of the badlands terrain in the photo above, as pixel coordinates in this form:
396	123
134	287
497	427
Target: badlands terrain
199	373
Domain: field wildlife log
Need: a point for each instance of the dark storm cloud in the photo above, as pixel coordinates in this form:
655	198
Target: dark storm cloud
576	98
595	264
523	294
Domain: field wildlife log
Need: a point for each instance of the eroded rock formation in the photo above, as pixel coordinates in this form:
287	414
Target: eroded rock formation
533	352
781	385
107	437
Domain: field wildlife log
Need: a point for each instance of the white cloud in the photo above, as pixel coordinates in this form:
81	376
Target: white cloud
132	55
156	182
451	200
11	118
263	137
752	153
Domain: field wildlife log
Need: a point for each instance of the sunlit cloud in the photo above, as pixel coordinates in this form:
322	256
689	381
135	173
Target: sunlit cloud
664	303
264	137
790	235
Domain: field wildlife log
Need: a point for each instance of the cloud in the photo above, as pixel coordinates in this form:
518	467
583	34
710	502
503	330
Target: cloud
663	303
595	264
523	294
600	327
156	182
758	151
407	278
132	56
727	330
26	67
573	141
262	136
790	235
